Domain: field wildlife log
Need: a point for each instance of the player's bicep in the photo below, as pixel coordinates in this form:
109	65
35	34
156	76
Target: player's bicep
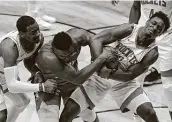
9	53
136	4
111	35
150	57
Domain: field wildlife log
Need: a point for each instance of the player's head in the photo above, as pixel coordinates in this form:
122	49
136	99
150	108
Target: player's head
64	47
157	25
28	29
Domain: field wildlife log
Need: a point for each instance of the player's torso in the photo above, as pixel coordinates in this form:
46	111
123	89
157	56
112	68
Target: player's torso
129	53
149	7
63	85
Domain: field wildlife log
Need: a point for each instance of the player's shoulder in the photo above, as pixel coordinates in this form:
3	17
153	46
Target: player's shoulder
8	44
46	54
48	60
125	29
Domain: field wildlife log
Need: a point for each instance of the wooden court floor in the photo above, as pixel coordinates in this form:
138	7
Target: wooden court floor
88	15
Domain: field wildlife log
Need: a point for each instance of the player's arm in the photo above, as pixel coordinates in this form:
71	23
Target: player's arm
30	62
83	35
139	68
10	54
64	71
135	12
108	36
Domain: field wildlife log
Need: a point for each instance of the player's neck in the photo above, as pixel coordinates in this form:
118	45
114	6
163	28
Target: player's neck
140	37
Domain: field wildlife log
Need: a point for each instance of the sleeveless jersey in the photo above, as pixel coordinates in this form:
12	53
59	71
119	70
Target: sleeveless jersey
149	7
129	53
22	53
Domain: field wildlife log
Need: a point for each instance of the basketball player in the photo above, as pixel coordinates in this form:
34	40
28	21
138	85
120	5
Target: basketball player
136	53
58	60
15	47
142	10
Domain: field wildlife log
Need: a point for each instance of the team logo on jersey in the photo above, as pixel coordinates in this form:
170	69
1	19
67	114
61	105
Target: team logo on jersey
154	2
127	57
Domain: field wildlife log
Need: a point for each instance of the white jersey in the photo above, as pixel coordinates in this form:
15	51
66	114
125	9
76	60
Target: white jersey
22	53
130	53
164	42
149	7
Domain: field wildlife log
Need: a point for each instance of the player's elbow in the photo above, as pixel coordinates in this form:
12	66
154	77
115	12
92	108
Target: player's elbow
78	78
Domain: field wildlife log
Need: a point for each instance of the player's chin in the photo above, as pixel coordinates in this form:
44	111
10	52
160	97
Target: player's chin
111	65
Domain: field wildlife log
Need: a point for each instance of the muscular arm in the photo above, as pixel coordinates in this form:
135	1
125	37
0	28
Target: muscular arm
48	62
135	12
137	69
30	62
10	54
82	36
108	36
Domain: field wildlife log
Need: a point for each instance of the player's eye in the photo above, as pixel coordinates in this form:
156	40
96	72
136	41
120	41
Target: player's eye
153	22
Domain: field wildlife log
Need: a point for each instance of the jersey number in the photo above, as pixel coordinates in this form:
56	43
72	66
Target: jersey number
151	12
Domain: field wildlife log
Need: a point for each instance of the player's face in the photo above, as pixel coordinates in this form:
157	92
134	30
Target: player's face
154	27
33	33
68	55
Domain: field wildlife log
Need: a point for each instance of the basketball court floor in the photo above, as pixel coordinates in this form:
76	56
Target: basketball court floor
92	15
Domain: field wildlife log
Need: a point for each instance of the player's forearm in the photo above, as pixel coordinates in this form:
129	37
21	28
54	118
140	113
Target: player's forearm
86	72
96	49
16	86
124	77
134	15
131	74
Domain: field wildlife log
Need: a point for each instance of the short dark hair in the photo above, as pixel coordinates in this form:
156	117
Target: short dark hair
62	41
164	17
23	22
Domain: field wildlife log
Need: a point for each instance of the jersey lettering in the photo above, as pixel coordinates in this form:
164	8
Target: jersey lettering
151	12
154	2
127	57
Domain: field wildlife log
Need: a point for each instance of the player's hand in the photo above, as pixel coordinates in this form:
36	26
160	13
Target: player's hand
109	54
104	72
50	86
